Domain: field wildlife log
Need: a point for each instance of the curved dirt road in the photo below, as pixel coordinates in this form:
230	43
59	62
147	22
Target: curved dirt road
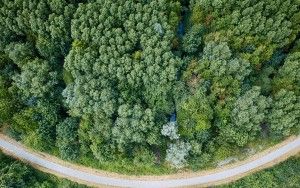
92	177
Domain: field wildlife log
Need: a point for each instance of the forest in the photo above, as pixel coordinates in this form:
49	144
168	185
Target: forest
14	174
149	86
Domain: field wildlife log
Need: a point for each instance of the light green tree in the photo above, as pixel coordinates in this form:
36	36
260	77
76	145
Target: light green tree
285	113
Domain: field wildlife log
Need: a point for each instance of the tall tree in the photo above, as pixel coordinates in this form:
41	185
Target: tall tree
285	113
246	117
67	138
288	76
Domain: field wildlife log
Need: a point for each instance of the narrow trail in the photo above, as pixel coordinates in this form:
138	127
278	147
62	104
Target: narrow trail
98	178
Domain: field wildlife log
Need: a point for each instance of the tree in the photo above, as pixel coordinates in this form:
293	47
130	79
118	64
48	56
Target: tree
20	53
193	40
225	71
135	127
248	113
109	73
194	114
121	58
219	70
285	113
67	138
143	156
8	103
177	153
170	130
45	23
37	34
36	79
284	174
288	76
253	28
215	81
24	121
14	175
37	124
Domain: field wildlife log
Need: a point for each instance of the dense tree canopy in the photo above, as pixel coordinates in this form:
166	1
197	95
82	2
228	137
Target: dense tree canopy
163	82
67	138
247	115
254	28
18	175
285	113
123	70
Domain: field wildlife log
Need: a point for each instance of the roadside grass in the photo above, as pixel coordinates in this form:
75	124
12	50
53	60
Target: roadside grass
285	174
204	162
126	167
208	162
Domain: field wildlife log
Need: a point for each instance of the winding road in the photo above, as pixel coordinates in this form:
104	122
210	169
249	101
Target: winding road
97	178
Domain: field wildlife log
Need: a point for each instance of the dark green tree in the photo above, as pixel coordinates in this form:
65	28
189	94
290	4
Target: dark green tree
67	138
14	175
284	115
288	76
248	113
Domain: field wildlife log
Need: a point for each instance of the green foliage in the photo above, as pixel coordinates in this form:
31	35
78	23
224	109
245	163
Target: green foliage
248	113
36	79
45	22
285	113
286	174
14	175
192	41
253	28
134	125
217	80
127	66
83	135
197	15
143	156
8	99
67	138
17	174
223	152
8	103
288	75
24	121
37	124
36	141
20	53
223	72
177	153
194	114
97	81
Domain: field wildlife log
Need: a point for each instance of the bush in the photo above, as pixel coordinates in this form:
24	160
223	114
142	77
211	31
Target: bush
177	153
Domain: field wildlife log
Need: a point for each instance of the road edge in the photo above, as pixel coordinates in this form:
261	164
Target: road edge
149	178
